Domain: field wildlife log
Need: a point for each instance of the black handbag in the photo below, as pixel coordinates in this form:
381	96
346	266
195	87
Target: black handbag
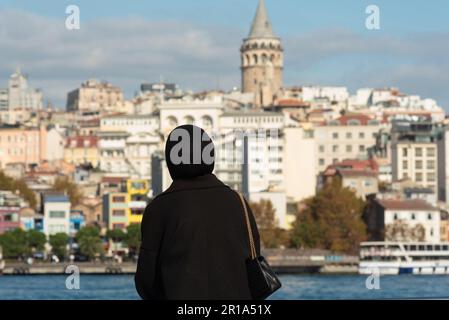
262	280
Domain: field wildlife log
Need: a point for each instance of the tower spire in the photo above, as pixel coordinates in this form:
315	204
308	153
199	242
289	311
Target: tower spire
261	27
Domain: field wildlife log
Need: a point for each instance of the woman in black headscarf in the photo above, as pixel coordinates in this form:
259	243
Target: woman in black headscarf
194	238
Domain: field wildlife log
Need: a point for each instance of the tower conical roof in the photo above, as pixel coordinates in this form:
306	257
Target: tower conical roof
261	27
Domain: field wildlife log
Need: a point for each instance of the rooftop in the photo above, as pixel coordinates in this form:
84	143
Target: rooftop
413	204
261	27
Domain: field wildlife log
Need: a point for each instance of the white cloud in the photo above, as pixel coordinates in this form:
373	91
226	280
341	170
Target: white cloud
132	50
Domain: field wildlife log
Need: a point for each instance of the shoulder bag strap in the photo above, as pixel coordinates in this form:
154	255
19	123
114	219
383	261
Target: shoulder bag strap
248	227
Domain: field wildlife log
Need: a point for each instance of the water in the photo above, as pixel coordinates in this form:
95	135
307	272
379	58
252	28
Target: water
302	287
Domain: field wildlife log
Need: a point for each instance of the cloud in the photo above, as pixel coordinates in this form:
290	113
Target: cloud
132	50
124	51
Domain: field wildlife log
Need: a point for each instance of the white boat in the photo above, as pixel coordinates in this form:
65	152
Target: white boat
391	258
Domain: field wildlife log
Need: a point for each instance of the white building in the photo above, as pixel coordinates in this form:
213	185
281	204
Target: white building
347	137
203	113
56	209
19	95
55	144
413	213
126	144
299	163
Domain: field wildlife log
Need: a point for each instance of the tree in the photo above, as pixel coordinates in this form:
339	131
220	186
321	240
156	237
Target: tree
59	243
133	237
14	243
63	184
19	186
116	235
271	235
36	240
89	241
331	220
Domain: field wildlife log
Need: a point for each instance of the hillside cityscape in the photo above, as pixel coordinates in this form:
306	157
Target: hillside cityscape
322	167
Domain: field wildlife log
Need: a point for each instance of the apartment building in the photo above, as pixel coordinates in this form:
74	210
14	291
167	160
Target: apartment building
415	153
347	137
94	95
82	150
19	144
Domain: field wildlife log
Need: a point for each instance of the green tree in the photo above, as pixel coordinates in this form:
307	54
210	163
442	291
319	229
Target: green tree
271	235
331	220
20	186
14	243
36	240
133	237
59	243
89	241
63	184
116	235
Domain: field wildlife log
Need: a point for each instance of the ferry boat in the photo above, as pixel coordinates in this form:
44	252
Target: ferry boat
392	258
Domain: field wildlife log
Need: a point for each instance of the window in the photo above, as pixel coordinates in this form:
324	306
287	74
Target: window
348	148
404	152
334	161
429	216
335	135
321	162
418	152
418	164
405	164
361	148
348	135
418	177
335	148
431	164
362	135
57	214
118	199
321	148
120	226
430	152
118	213
395	216
413	217
430	177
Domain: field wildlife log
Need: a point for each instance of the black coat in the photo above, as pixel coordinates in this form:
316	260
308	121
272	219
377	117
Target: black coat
195	243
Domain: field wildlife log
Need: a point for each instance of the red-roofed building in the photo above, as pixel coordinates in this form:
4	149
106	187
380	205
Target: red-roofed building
359	175
82	150
346	137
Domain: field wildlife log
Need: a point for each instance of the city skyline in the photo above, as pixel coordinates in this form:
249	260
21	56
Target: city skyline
115	45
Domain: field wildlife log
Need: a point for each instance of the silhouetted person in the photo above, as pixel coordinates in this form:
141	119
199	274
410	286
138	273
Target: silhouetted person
194	237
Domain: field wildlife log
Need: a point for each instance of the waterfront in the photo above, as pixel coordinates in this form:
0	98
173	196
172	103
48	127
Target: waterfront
121	287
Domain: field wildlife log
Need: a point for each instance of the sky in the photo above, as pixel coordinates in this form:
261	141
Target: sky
196	44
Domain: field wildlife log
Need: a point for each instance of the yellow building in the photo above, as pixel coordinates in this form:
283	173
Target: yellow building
82	150
138	199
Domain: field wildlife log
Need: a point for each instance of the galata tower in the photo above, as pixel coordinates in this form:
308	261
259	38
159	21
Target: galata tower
262	60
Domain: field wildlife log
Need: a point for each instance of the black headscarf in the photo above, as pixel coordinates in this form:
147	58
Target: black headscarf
193	153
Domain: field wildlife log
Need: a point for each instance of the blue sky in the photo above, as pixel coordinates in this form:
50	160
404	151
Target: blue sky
196	43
